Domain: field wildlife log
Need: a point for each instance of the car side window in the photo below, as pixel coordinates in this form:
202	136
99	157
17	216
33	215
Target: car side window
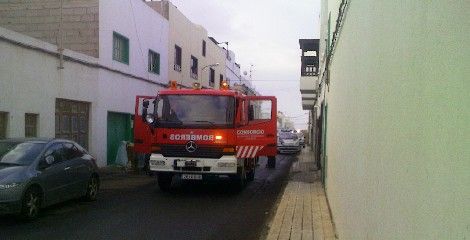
56	151
71	151
81	149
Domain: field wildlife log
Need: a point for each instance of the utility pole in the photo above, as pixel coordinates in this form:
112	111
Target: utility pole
60	37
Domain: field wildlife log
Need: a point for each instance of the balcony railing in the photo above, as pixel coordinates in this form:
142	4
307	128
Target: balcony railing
177	67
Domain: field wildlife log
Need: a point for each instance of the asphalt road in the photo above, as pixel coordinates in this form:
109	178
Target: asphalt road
132	207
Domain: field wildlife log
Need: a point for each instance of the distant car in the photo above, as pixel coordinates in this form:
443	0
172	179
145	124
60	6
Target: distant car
288	142
35	173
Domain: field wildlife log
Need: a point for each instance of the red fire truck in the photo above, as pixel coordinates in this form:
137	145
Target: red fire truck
205	133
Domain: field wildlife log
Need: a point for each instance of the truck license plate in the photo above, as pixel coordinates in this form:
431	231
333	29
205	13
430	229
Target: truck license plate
190	164
191	176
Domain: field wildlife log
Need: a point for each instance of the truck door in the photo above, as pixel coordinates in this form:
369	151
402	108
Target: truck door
257	136
142	132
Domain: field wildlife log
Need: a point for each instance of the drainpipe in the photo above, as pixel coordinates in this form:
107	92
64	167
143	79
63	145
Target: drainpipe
61	39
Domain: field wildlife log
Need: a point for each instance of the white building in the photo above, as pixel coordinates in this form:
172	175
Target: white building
394	102
119	49
193	56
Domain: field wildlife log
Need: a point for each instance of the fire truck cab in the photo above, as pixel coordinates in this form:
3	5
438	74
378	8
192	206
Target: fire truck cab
199	134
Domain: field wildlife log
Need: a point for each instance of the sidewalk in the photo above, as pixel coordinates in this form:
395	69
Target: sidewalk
303	211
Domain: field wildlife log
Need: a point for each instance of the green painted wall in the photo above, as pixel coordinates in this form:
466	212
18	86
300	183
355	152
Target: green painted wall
399	121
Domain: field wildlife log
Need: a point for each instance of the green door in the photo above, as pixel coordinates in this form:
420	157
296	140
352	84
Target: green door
119	129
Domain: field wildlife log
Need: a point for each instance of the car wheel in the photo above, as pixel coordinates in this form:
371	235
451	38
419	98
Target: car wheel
31	204
92	188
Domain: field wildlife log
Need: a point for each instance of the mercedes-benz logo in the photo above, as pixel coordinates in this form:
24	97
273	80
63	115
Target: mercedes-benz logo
191	146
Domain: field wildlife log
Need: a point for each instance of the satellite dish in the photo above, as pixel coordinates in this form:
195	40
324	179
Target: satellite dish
245	73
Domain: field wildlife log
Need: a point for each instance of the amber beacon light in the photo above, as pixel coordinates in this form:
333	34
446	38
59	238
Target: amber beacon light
224	85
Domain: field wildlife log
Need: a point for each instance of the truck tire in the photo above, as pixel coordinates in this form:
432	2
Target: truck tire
239	180
271	161
250	176
164	181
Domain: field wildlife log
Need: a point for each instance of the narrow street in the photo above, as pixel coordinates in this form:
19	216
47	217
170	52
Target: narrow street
132	207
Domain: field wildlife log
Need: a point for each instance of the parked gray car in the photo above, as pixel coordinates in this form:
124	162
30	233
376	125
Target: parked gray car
288	142
35	173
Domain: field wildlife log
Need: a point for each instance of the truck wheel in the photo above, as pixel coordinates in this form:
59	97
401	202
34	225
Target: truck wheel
250	176
272	162
239	180
164	181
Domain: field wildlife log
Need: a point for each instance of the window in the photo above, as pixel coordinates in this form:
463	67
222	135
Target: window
221	79
57	151
193	67
120	48
30	125
206	111
203	48
3	124
177	65
211	77
154	62
259	110
71	151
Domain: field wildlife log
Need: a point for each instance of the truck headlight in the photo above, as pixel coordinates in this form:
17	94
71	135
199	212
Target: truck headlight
157	162
226	164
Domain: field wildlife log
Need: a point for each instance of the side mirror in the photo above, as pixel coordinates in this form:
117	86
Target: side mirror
155	103
251	113
145	105
46	162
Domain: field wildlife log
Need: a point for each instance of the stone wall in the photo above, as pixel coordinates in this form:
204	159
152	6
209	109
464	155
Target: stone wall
41	19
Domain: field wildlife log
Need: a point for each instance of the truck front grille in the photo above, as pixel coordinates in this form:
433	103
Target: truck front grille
201	152
192	169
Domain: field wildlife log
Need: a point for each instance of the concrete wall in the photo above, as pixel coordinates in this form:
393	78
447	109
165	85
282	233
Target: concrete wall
145	29
398	121
189	37
30	82
40	19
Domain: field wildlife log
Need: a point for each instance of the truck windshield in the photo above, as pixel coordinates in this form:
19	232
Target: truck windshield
196	111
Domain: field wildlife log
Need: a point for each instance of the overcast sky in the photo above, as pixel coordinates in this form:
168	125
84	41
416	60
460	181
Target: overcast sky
264	33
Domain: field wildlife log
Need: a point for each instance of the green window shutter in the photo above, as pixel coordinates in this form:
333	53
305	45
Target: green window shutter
154	62
120	48
157	63
149	67
126	51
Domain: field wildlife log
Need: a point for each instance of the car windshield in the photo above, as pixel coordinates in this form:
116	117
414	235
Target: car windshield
288	135
14	153
201	111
